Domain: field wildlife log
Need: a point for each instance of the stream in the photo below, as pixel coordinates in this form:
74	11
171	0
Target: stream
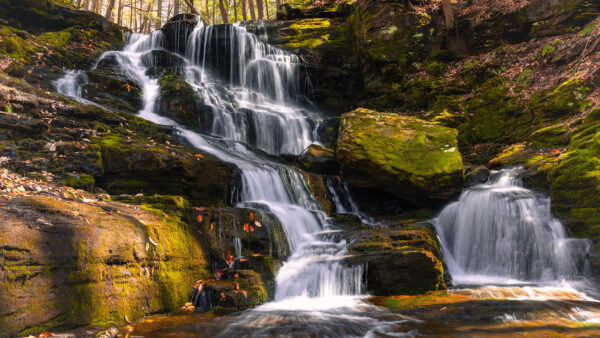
512	265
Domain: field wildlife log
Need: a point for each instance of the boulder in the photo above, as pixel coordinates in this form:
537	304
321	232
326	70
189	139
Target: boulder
319	159
113	90
476	175
178	100
401	260
258	236
67	262
177	31
412	159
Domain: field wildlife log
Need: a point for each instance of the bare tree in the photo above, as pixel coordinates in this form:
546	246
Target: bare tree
119	14
448	13
223	11
252	14
244	14
109	9
260	9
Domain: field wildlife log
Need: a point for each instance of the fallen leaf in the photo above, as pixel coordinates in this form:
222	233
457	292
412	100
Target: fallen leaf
251	216
246	227
258	225
199	218
222	298
199	155
212	226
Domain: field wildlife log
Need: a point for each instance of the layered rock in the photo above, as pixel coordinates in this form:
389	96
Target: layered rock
404	156
400	260
70	259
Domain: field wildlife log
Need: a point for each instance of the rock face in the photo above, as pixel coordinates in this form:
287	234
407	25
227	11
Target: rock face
319	159
403	260
259	237
66	261
404	156
123	153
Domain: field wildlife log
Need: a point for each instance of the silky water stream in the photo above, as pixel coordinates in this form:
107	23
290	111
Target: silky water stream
257	105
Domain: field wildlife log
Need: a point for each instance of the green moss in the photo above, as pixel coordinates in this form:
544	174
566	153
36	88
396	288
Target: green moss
568	97
552	136
80	181
57	39
308	33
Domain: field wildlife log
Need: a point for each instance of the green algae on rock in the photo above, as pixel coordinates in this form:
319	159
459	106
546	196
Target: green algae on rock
404	156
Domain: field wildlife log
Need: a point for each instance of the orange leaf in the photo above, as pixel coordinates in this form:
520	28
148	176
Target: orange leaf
222	298
199	155
251	216
244	293
242	260
256	255
199	218
246	227
212	226
252	229
257	224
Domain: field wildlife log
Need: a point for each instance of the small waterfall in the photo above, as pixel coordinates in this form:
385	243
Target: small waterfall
237	245
500	232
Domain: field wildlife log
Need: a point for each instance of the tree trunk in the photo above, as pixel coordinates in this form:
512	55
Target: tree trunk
235	10
109	9
207	10
191	8
267	8
252	14
214	12
130	14
223	11
120	14
244	14
176	8
448	13
277	4
260	9
158	22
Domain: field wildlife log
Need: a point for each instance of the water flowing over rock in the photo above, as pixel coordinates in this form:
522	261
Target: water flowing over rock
500	231
256	101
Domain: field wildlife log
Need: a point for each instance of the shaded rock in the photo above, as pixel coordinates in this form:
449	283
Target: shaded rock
113	90
400	260
95	265
404	156
178	100
319	159
259	237
245	290
476	175
177	31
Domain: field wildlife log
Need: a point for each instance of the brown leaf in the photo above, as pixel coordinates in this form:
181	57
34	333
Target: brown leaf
222	298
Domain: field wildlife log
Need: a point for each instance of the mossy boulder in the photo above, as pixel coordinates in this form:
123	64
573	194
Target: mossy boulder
178	100
404	156
69	263
401	260
567	98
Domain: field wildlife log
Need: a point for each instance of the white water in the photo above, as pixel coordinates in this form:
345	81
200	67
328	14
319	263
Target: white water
257	106
496	233
502	233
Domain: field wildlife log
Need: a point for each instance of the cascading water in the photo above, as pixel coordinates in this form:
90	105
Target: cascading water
255	100
502	232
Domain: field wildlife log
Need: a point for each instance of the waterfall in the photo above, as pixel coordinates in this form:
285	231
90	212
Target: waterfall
501	232
255	95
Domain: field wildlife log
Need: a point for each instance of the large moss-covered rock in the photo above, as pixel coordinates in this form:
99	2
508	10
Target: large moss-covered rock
67	262
402	260
178	99
404	156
